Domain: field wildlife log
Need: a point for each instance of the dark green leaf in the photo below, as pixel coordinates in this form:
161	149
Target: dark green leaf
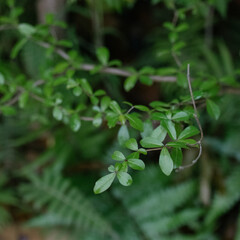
177	157
146	80
188	132
213	109
135	122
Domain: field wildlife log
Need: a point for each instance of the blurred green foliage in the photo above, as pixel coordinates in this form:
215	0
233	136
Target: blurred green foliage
63	96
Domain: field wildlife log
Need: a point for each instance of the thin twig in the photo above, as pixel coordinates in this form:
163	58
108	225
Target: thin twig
198	123
108	70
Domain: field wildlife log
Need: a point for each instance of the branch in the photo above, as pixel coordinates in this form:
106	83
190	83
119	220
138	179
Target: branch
198	123
108	70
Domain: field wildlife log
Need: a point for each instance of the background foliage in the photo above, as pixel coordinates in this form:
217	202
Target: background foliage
63	97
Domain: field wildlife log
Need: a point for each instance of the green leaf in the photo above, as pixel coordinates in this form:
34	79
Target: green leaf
112	119
118	156
159	116
57	113
142	108
177	157
123	135
150	142
213	109
17	47
2	79
130	82
177	144
105	101
97	121
124	178
104	183
8	110
60	67
77	91
135	122
165	162
133	155
170	127
111	168
23	99
86	86
103	55
142	151
136	164
115	107
146	80
160	133
188	132
26	29
180	116
131	144
75	122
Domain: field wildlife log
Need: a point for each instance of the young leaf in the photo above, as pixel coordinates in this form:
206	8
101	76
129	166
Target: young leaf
124	178
188	132
142	151
131	144
130	82
165	162
57	113
112	119
104	183
135	122
136	164
103	55
118	156
213	109
75	122
111	168
123	134
150	142
170	127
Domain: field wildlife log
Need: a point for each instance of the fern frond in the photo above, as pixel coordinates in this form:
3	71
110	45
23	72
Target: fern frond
223	202
66	206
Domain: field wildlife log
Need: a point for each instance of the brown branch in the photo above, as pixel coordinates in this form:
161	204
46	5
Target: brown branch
108	70
198	123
